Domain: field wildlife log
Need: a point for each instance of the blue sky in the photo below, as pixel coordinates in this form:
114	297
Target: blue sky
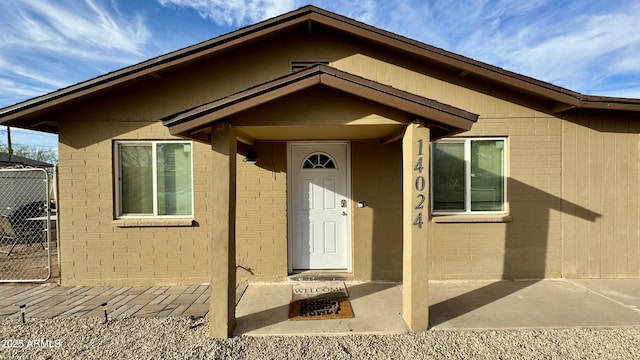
589	46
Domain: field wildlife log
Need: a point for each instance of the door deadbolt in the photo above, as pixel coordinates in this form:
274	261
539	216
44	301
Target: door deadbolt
343	203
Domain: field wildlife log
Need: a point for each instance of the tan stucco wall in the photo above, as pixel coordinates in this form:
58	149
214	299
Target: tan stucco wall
261	223
377	228
94	249
601	186
97	251
528	246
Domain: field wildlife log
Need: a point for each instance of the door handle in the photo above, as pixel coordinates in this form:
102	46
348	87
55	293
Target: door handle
344	213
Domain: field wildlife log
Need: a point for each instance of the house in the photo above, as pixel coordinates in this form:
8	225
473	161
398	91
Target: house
311	141
9	160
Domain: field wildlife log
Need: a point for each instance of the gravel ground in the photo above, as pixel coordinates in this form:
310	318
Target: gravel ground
184	338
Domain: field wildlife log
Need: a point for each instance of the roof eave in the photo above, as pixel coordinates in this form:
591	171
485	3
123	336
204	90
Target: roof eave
566	99
155	65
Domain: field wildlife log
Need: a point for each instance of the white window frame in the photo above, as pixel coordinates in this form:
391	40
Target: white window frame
118	178
467	173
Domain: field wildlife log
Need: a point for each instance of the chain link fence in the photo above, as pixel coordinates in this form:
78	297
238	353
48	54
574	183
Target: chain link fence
25	225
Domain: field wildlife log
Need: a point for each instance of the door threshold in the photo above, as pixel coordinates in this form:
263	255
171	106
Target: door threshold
321	275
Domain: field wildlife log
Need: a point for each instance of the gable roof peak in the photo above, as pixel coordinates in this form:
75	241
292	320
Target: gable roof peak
36	109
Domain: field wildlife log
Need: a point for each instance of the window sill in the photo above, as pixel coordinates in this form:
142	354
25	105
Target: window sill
169	222
466	218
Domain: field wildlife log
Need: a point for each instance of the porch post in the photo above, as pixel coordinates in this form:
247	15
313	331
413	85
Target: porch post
222	314
415	218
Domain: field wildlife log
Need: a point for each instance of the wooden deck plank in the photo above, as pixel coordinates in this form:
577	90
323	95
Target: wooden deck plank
52	312
158	299
125	300
86	301
27	294
118	311
169	299
191	289
203	299
167	310
179	310
150	310
78	310
8	291
202	289
159	290
196	310
130	311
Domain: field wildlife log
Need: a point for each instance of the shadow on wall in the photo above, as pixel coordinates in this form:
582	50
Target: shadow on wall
527	248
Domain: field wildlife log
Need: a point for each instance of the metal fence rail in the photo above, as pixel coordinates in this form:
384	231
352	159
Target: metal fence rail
25	225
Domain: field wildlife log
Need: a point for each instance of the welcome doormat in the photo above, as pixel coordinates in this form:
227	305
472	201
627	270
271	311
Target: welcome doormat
315	289
320	309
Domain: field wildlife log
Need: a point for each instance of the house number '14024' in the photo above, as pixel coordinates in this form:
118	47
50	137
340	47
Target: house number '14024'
420	184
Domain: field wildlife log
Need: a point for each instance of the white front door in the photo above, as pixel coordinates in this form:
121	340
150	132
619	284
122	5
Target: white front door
319	221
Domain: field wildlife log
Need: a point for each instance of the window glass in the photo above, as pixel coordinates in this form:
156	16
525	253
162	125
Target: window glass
468	175
155	178
487	185
174	178
136	166
448	176
318	161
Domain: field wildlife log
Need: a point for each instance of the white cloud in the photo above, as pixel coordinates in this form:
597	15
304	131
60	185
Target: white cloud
235	12
68	25
598	46
46	45
579	45
17	91
588	46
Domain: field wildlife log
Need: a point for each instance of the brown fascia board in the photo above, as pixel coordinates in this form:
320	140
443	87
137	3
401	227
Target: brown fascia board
609	103
468	66
272	26
445	58
202	116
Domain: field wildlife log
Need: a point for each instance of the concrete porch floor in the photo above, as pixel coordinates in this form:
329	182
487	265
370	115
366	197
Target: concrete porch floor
263	309
377	308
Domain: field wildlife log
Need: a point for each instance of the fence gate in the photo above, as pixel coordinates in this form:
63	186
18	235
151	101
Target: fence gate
25	225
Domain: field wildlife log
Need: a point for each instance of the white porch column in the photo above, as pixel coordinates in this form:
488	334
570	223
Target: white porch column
415	218
222	314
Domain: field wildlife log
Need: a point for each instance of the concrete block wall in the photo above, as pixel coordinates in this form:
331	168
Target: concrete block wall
261	215
529	244
96	248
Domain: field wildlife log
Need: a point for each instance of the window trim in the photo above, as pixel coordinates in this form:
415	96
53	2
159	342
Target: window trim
467	172
118	180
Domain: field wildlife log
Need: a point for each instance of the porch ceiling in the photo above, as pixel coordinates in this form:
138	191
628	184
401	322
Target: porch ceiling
319	103
249	134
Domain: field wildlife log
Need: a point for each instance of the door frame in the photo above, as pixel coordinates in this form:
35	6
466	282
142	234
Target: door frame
349	224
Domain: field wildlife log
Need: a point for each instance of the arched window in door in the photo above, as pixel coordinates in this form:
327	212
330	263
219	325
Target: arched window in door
318	160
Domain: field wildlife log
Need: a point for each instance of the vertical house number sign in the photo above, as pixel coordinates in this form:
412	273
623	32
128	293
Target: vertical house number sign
419	184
